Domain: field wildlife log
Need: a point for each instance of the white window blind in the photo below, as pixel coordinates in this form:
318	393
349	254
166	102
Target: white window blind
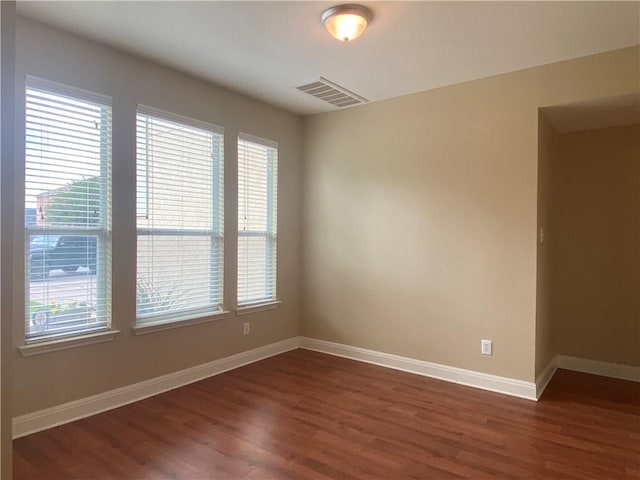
67	210
257	219
179	217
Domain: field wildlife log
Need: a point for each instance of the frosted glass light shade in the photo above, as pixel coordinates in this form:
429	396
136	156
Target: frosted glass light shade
346	22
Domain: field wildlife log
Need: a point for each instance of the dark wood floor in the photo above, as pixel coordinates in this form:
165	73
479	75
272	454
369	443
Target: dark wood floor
305	415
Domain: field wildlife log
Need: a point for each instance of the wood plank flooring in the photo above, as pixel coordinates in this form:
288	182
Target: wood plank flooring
305	415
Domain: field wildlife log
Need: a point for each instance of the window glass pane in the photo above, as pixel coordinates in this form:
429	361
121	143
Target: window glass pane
179	202
256	257
177	273
257	222
252	187
67	213
64	294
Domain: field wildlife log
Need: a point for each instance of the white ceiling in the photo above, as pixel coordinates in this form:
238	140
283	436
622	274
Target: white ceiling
265	49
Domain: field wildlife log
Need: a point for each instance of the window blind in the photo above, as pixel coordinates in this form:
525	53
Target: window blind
257	219
179	216
67	210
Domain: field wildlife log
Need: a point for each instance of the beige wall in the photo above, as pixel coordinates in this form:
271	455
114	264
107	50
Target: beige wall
420	215
594	238
7	153
45	380
545	350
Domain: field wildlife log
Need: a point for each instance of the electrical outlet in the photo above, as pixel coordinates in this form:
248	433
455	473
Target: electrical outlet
487	347
246	328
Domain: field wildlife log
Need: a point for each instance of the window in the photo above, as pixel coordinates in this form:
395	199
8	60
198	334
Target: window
257	219
179	217
67	190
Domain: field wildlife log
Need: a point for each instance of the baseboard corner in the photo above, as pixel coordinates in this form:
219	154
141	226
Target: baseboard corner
545	377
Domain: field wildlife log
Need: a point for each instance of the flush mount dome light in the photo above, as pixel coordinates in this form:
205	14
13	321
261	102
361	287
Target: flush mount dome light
346	22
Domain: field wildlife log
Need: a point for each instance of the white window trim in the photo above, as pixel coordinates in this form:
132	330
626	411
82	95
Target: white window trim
257	307
161	325
178	315
247	137
69	91
64	343
174	117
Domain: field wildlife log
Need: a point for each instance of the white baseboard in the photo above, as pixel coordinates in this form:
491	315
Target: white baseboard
484	381
68	412
545	377
595	367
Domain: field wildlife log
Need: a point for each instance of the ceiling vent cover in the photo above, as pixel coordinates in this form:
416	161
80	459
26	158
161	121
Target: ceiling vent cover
332	93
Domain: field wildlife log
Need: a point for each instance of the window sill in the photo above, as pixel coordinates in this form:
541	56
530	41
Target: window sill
46	346
257	307
153	327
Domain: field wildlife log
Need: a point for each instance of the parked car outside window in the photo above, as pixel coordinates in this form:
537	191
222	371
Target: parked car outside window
63	252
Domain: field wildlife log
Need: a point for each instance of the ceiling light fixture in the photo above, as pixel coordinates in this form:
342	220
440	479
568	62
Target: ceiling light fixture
346	22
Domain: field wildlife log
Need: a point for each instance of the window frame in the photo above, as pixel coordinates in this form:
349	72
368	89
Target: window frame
102	231
270	234
161	321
